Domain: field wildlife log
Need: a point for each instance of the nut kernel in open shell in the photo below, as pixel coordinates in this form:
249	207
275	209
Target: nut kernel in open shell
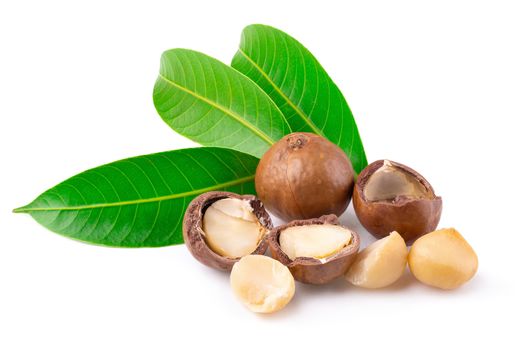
327	257
221	227
263	284
390	196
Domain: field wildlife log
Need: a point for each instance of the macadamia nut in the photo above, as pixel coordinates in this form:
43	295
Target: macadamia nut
380	264
263	284
443	259
314	241
304	176
389	182
231	228
317	251
389	196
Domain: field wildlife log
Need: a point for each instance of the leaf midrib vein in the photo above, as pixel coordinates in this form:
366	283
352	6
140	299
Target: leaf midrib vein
229	112
283	95
143	200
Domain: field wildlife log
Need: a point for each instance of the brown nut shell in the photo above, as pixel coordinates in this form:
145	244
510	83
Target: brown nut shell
312	270
304	176
411	217
194	234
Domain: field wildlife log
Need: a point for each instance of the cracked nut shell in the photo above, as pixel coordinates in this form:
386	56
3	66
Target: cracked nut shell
314	270
195	236
304	176
390	196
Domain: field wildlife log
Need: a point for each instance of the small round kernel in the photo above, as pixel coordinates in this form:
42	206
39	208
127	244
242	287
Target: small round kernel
443	259
380	264
262	284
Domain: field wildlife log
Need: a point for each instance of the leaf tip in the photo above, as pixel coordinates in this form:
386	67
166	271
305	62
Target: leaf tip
20	209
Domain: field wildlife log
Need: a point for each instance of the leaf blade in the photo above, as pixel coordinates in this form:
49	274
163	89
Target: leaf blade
300	87
140	201
214	105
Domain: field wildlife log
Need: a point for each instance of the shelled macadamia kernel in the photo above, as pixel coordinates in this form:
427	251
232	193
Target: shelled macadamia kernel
443	259
262	284
380	264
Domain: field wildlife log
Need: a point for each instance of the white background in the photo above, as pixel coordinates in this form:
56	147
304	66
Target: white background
439	86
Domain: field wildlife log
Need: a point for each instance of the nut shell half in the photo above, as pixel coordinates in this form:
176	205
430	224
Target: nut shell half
411	217
194	234
312	270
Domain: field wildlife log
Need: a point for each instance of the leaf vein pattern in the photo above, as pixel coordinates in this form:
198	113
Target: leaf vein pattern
234	115
178	169
117	217
143	200
93	229
283	95
174	229
127	178
131	226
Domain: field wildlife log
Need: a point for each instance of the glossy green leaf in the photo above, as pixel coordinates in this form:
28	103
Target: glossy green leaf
140	201
214	105
299	85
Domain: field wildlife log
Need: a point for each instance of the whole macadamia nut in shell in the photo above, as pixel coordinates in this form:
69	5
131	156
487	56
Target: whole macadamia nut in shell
304	176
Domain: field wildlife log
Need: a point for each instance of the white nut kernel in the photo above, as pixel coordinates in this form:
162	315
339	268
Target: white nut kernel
263	284
443	259
380	264
314	241
231	229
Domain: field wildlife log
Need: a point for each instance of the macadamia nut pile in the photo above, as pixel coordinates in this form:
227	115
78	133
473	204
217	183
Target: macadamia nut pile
308	180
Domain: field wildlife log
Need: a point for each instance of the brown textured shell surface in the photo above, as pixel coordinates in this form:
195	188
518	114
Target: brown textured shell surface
312	270
194	234
304	176
410	217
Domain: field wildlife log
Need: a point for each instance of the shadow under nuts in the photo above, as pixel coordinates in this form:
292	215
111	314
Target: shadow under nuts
443	259
304	176
221	227
390	196
316	251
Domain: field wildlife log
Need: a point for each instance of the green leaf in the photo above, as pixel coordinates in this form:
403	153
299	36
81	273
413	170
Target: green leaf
140	201
299	85
214	105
